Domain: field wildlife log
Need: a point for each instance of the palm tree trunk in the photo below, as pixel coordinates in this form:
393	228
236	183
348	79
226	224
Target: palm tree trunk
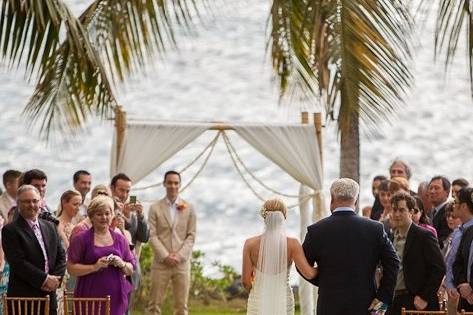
350	148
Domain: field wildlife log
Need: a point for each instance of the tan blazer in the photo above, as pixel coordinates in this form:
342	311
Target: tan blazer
5	205
166	236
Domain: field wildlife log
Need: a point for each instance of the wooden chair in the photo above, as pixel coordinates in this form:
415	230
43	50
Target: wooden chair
86	306
414	312
465	313
25	305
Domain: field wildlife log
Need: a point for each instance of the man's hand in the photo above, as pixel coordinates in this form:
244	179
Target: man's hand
171	262
138	207
373	304
453	294
176	257
419	303
51	283
465	290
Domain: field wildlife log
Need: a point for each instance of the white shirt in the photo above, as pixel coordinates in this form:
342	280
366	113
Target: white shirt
173	208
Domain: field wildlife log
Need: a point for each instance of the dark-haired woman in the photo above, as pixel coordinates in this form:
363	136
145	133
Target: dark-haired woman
420	218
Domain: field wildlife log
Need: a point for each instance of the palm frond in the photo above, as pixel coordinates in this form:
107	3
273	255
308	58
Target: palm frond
71	87
356	52
29	31
453	18
129	33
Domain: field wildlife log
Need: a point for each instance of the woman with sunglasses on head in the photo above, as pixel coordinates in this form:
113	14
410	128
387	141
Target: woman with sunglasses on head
420	218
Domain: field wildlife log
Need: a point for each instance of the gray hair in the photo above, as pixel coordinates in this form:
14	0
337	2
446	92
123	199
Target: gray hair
25	188
345	189
407	169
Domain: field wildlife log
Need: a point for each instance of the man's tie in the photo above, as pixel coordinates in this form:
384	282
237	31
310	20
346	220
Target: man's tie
39	237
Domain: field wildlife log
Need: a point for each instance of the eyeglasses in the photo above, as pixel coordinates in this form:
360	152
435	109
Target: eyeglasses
103	193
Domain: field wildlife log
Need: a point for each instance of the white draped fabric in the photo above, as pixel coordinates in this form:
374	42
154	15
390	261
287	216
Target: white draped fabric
147	146
293	148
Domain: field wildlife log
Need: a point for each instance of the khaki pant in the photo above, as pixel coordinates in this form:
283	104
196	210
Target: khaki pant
179	277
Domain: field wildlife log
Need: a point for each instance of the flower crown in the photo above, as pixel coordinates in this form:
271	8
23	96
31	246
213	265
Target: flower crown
263	212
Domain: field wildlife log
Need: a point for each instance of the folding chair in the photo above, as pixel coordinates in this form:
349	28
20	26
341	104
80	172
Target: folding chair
25	305
414	312
86	306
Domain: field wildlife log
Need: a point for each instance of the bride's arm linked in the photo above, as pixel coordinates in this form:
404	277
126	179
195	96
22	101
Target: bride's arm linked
247	273
308	271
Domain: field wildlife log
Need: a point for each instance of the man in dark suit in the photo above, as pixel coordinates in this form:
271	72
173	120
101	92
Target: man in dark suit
32	248
347	249
422	263
439	189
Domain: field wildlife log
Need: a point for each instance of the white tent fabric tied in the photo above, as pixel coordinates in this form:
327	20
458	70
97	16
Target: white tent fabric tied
146	147
292	148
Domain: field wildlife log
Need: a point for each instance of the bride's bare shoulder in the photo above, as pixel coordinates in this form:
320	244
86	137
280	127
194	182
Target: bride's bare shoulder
291	241
252	241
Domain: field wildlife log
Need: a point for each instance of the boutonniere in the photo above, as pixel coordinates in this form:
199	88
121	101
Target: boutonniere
181	206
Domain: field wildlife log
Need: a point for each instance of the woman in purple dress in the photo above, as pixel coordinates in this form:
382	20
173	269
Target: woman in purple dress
101	258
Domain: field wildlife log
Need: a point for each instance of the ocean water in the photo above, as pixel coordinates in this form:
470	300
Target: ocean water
223	74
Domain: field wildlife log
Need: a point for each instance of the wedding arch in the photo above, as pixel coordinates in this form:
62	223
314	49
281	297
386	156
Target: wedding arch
141	146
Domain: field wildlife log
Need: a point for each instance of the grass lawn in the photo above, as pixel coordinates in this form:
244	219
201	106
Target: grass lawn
232	307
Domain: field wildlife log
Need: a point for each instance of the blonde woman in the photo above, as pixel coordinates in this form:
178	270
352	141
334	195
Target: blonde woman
67	213
267	259
100	258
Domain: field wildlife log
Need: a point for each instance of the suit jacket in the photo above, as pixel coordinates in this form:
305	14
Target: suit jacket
423	264
439	221
26	259
347	249
5	205
166	236
460	265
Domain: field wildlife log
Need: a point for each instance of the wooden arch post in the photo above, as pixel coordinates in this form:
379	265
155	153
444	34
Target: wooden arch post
120	126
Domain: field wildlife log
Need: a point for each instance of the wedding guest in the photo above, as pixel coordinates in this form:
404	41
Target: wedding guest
82	181
422	265
377	208
399	168
423	193
132	211
85	224
461	267
33	249
4	268
100	258
397	184
439	189
385	200
453	223
68	209
8	198
38	179
172	222
420	218
458	184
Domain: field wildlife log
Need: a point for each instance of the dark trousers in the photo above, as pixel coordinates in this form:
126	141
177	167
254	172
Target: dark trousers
406	300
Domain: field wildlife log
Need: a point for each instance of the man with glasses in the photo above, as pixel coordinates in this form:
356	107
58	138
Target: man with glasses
33	249
422	266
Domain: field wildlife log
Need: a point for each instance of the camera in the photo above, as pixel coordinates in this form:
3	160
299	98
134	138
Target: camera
48	217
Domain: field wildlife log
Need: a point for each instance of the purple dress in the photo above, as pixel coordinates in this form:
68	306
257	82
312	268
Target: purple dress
108	281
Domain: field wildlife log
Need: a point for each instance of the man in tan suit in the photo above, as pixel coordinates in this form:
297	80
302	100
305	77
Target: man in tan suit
172	224
8	198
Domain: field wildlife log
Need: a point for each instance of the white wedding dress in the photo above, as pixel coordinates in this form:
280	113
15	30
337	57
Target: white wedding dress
271	293
254	299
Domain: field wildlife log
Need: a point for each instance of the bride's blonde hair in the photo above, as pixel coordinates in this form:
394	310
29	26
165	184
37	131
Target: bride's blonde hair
274	204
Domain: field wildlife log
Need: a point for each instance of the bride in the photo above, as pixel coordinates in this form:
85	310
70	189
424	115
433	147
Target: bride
267	259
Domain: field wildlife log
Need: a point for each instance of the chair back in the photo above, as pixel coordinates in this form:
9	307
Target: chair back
415	312
25	305
86	306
